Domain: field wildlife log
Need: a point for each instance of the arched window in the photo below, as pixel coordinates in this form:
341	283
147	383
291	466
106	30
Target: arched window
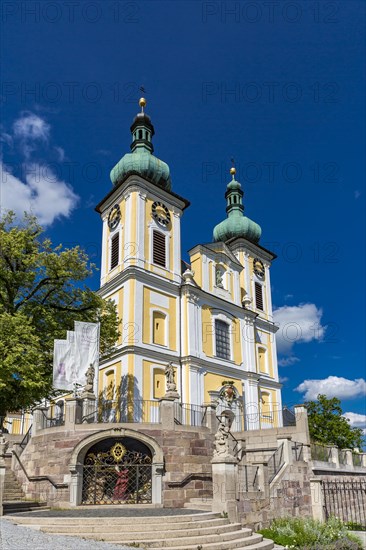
159	329
222	335
159	383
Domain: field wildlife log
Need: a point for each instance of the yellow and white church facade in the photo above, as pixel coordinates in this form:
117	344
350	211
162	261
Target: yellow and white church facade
211	318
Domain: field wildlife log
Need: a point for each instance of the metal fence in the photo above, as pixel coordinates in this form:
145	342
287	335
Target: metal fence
275	463
15	424
189	415
248	478
125	411
52	422
320	452
346	500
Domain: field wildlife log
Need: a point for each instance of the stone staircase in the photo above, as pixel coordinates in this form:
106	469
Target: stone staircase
201	503
14	499
197	531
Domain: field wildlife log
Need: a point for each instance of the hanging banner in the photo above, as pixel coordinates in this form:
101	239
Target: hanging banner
72	357
63	365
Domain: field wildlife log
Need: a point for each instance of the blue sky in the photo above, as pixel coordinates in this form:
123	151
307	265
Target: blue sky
278	86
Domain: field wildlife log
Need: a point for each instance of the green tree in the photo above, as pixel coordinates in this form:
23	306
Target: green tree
329	427
42	293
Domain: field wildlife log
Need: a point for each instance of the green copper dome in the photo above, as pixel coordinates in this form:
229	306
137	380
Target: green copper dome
141	161
236	224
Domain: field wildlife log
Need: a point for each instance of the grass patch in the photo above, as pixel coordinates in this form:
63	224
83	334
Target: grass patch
309	534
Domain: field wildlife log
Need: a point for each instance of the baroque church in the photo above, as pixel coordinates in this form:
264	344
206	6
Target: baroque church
211	318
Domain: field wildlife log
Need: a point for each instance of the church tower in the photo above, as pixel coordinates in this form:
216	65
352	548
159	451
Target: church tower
211	319
141	268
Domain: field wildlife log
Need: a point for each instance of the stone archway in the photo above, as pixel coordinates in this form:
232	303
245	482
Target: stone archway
114	460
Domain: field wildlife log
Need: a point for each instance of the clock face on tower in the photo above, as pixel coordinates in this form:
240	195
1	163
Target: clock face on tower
160	213
114	217
258	268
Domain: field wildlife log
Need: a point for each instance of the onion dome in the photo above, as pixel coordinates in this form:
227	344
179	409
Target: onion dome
236	224
141	161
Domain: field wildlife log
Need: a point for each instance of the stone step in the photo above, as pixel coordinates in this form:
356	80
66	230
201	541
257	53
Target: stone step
253	542
14	507
122	527
198	506
232	539
161	520
142	535
248	543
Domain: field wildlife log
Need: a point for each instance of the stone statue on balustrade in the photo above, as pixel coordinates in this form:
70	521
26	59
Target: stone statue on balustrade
171	386
89	375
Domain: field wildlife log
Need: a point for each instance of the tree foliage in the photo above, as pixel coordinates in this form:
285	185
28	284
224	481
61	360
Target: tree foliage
329	427
42	293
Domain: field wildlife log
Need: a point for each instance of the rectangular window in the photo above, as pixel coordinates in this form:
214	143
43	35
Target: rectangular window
159	252
258	296
222	340
115	251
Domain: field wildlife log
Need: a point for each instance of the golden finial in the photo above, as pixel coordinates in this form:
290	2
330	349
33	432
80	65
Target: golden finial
142	103
232	169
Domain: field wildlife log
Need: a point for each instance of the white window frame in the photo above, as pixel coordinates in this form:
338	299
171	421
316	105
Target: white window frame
220	316
112	234
153	226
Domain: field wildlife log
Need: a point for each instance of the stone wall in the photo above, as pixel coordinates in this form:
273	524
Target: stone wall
187	455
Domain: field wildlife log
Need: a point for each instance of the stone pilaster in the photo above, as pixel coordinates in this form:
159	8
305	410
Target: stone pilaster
334	456
225	487
38	419
88	407
73	413
317	503
252	411
302	425
167	413
287	449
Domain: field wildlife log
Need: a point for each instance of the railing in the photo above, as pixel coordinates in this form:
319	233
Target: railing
275	463
249	478
15	424
320	452
125	411
345	500
298	451
52	422
188	415
26	438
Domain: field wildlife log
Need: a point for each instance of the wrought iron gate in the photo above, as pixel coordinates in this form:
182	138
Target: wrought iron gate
117	472
346	500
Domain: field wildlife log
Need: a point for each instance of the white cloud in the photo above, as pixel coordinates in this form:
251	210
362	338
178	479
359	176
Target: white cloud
298	324
31	126
288	361
356	420
41	193
30	130
333	386
38	189
283	379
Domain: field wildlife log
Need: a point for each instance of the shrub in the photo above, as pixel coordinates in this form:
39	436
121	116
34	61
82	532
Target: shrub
309	534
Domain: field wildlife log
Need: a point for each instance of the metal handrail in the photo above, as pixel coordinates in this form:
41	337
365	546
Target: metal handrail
125	411
188	414
52	422
26	438
277	460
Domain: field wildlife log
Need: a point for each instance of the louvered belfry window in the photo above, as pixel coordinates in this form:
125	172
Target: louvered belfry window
159	252
115	251
258	296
